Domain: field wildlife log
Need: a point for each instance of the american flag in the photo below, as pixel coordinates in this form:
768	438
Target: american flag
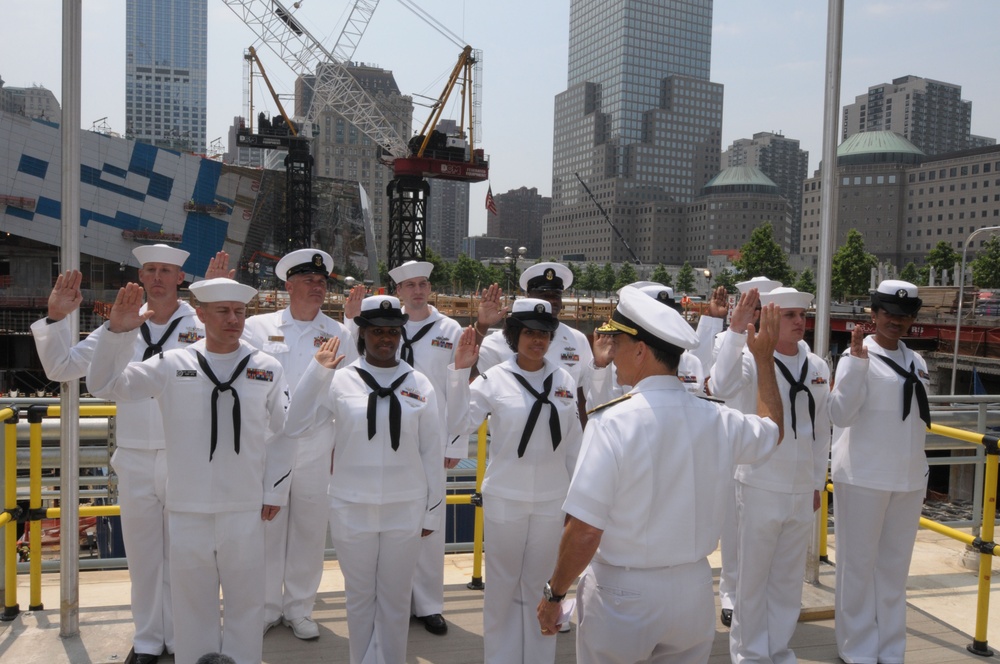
490	203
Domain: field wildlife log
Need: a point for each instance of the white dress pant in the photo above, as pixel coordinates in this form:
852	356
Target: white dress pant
773	533
428	579
729	550
377	549
209	551
296	537
665	614
142	478
875	532
521	541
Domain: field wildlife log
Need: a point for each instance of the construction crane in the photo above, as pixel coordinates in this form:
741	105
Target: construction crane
436	156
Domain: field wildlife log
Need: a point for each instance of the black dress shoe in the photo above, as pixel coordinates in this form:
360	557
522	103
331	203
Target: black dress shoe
727	617
141	658
434	623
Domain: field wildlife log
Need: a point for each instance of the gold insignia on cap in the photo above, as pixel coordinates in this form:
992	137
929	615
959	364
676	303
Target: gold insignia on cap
902	293
550	274
386	305
317	260
539	308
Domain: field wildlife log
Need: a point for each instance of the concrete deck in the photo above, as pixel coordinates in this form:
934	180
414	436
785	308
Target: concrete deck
940	621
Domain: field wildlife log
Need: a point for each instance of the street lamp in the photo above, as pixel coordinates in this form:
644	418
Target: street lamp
510	263
708	280
348	284
961	293
254	270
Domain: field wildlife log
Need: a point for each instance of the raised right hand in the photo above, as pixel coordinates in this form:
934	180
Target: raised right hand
745	311
858	343
490	312
65	297
327	353
718	306
604	350
467	353
125	315
352	305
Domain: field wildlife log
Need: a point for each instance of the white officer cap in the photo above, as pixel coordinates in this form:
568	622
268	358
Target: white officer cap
411	270
762	284
787	298
896	297
160	253
222	290
546	276
381	311
639	316
304	261
533	313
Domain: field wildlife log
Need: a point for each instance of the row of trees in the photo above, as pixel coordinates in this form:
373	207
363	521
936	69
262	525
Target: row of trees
761	255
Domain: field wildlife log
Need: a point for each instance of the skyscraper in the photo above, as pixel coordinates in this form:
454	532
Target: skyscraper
930	114
640	123
447	209
519	216
166	72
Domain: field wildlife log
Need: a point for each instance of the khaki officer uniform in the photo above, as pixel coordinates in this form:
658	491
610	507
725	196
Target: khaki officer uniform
219	479
296	537
139	460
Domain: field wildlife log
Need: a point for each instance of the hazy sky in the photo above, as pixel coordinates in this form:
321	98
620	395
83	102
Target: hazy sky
769	54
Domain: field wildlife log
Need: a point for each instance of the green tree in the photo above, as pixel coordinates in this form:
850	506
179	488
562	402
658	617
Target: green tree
383	274
910	273
441	274
986	265
806	283
577	273
590	280
852	267
661	276
762	256
465	273
606	281
626	275
726	278
685	279
941	257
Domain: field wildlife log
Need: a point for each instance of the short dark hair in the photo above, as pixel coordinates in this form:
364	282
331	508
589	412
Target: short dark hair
669	358
215	658
512	332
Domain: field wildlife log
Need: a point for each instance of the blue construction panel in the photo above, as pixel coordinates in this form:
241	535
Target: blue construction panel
126	220
33	166
203	237
92	176
208	181
49	207
160	186
143	159
20	213
114	170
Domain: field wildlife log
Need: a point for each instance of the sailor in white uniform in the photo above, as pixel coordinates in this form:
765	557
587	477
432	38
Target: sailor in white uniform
387	489
534	442
645	510
296	537
223	407
727	543
139	459
880	415
776	497
569	349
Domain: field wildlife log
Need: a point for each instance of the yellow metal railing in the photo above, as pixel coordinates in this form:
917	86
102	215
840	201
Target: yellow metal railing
983	543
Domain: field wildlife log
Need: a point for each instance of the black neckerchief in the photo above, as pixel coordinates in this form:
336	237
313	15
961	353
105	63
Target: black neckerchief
395	409
541	398
219	389
151	348
406	350
796	387
910	380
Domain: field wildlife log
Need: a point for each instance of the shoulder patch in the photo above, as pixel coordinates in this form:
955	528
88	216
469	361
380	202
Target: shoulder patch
624	397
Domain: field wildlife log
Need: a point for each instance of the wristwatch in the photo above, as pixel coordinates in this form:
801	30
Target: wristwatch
550	596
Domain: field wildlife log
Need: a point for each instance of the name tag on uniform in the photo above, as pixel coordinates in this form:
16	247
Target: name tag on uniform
276	337
187	373
442	342
260	374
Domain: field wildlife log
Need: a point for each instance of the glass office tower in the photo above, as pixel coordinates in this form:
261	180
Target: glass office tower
166	72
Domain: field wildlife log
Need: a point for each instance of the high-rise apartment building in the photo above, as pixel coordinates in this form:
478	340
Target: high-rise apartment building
930	114
519	215
166	72
447	222
780	159
340	150
639	122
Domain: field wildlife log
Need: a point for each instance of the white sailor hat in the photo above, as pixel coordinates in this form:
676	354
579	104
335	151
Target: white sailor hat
381	311
411	270
546	276
533	313
896	297
637	315
762	284
787	298
160	253
222	290
662	294
304	261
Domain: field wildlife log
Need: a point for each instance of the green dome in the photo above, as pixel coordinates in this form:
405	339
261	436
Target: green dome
740	179
878	147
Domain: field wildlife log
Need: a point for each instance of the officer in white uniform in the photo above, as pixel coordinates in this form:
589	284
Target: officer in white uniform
223	407
776	497
727	544
604	384
139	459
387	488
534	443
296	537
569	349
880	414
647	509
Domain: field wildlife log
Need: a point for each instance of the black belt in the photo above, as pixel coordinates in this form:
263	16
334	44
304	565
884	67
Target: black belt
395	409
536	409
219	389
151	348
